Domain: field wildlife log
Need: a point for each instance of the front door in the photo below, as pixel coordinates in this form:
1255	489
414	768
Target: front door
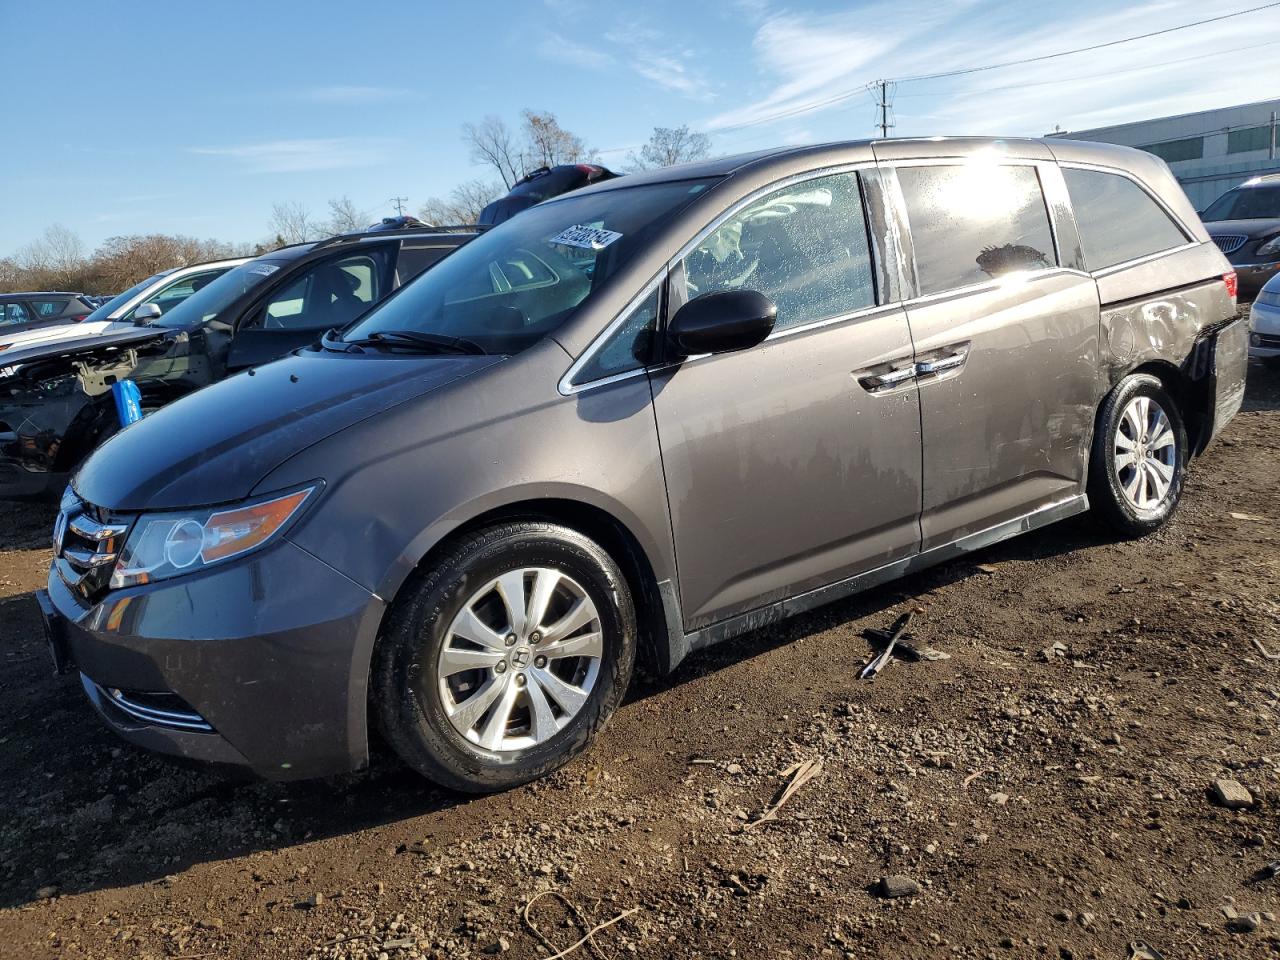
1006	346
795	463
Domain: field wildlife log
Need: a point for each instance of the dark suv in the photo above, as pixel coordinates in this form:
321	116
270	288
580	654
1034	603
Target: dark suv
1245	224
650	414
27	311
55	398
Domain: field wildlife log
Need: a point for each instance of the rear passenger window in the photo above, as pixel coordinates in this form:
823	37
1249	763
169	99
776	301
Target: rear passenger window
975	221
804	246
49	308
413	260
1117	219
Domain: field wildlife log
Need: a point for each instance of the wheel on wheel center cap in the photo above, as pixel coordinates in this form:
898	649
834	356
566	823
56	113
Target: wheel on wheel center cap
503	694
1145	453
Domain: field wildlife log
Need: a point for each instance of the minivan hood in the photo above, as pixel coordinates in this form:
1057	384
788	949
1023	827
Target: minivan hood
215	445
1253	229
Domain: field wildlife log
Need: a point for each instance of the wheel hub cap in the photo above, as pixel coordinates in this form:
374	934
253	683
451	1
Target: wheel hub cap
520	659
1146	454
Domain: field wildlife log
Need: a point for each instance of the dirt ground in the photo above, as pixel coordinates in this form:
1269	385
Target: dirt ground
1045	792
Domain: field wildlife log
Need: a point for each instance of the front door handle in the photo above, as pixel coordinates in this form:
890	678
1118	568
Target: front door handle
942	364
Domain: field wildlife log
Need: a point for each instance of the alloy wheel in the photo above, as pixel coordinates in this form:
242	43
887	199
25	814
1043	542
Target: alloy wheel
520	659
1146	453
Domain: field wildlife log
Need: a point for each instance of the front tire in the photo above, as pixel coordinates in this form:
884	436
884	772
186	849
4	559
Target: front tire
505	660
1139	457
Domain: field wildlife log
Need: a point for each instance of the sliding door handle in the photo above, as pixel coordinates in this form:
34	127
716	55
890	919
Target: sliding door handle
886	381
942	364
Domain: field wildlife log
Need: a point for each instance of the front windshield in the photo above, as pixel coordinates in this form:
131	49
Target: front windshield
510	287
215	296
1246	203
115	303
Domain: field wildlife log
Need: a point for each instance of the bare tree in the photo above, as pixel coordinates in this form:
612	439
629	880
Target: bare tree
292	223
668	146
463	205
345	217
547	143
53	261
492	144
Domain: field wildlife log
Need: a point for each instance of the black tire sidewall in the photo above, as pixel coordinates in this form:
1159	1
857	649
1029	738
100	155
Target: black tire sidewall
1105	492
410	706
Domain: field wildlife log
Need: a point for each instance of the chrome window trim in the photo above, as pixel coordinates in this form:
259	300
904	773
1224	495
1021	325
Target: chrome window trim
988	285
567	385
1178	222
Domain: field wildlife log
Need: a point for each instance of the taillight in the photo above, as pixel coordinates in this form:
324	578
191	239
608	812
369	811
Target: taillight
1230	280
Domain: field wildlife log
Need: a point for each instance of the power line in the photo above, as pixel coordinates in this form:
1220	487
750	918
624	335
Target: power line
812	105
1096	46
1096	76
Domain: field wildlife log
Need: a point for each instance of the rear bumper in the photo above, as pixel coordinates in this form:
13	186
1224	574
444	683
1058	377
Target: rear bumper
1226	363
262	663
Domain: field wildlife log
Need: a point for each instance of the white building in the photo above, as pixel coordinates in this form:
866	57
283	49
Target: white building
1210	151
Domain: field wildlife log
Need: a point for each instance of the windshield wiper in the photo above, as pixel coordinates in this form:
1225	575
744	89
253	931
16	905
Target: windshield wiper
408	339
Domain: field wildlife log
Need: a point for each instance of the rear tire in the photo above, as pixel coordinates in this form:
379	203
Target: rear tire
506	658
1139	457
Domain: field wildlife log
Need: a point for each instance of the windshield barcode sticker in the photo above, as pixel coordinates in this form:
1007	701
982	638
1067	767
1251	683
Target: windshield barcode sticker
588	238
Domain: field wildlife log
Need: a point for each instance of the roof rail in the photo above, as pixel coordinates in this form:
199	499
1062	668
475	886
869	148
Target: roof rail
424	229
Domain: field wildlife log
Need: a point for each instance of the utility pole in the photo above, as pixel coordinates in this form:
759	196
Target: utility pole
883	104
1271	149
399	203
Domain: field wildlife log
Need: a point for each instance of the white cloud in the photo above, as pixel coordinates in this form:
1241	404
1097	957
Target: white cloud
670	69
559	49
298	156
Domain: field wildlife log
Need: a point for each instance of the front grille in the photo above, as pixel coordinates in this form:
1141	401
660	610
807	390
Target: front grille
154	709
1266	340
1230	242
86	542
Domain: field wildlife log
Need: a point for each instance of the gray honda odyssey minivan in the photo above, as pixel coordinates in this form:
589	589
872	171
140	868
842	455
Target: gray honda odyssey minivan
641	418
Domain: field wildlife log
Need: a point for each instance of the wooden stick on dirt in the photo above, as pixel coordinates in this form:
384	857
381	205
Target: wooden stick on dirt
1264	651
800	773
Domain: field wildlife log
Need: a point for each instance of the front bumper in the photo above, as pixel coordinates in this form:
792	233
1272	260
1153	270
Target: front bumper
1264	330
271	654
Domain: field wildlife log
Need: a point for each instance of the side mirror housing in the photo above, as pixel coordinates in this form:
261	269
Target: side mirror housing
146	313
721	322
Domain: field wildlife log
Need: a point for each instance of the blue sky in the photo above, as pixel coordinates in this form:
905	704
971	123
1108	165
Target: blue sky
195	118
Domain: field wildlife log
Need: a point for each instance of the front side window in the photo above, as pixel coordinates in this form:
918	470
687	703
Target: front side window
515	284
629	347
331	294
1118	220
804	247
972	222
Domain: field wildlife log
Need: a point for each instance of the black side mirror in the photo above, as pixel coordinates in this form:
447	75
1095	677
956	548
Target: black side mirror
721	322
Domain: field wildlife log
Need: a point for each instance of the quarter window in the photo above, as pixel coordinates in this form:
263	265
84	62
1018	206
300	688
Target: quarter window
975	221
628	347
49	308
803	246
1117	219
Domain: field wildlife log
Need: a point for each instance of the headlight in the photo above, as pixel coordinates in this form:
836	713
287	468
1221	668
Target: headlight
1270	298
166	544
1270	247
